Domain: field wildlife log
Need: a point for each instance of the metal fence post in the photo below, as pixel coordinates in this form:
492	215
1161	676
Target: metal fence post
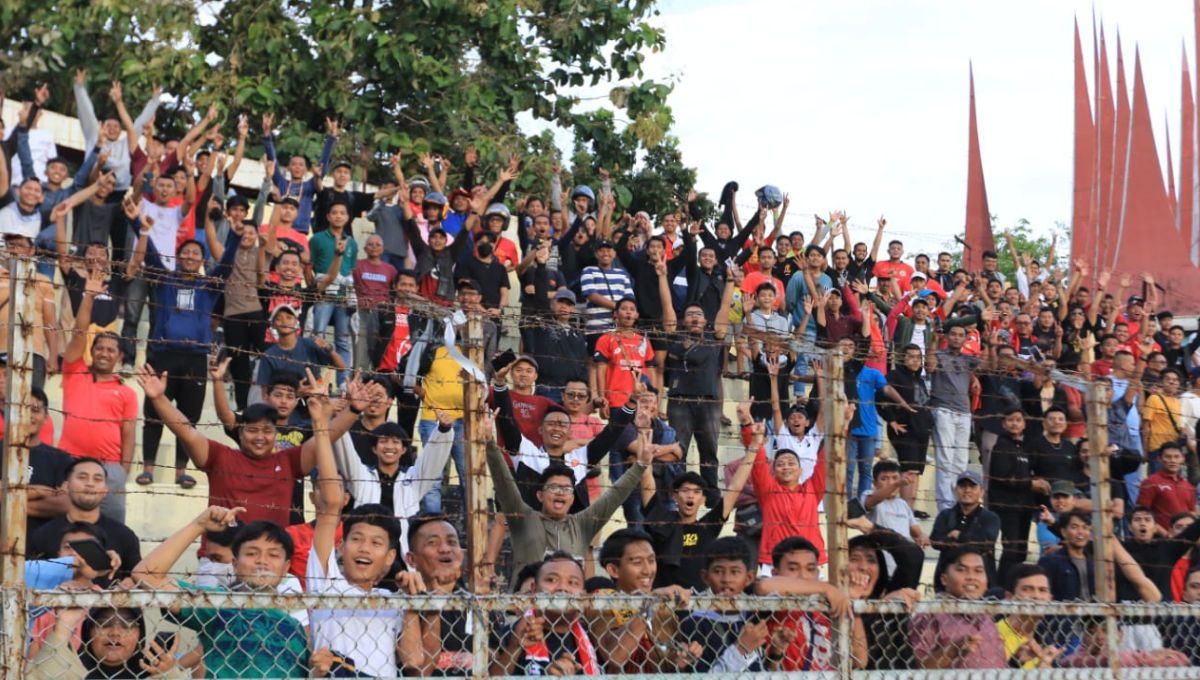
1098	401
21	327
476	487
833	396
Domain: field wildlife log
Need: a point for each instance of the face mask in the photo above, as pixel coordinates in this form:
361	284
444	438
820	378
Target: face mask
485	250
214	574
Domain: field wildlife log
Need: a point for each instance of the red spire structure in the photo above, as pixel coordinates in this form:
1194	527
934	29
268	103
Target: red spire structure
1172	199
1083	204
1102	182
1110	234
979	218
1146	238
1184	214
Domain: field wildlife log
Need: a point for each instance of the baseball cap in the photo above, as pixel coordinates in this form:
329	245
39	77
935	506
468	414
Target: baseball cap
1062	488
284	307
342	164
469	283
527	359
917	275
969	476
565	294
605	243
459	192
289	200
1135	300
435	198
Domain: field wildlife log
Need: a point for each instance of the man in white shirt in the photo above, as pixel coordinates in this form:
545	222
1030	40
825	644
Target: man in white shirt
370	539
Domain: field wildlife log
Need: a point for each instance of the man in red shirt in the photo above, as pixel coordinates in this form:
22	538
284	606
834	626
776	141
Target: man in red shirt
99	410
254	476
622	356
766	263
373	281
528	408
1167	491
893	268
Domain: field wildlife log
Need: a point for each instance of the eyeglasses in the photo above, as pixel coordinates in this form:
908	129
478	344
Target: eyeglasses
575	395
561	489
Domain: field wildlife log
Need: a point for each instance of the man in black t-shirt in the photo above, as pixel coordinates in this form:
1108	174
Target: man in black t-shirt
482	266
47	470
86	485
681	537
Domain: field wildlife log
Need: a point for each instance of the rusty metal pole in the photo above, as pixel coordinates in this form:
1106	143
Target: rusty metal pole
476	485
21	327
833	396
1098	401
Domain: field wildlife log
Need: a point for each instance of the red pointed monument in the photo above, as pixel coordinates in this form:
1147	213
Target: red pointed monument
1083	209
979	219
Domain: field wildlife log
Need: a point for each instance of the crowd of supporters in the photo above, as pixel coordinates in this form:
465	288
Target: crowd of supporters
626	346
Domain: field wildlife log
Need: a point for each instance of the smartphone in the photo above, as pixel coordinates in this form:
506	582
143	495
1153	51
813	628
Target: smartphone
165	639
503	359
92	553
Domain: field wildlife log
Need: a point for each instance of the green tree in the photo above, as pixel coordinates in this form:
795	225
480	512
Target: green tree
1025	241
433	75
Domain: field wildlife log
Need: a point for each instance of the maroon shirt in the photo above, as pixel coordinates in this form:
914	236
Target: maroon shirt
373	283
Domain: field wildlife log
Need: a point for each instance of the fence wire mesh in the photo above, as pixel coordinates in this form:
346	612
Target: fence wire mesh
227	633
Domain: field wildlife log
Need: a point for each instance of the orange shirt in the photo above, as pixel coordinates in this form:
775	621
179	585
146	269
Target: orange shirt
93	411
622	354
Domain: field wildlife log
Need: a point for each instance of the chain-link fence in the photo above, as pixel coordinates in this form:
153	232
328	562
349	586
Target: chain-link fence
210	633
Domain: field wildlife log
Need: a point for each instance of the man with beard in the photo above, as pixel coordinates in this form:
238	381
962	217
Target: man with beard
86	486
99	410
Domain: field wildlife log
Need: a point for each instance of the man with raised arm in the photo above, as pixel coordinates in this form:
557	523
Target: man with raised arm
253	476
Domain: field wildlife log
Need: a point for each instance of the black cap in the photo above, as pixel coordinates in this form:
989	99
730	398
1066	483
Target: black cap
469	283
604	243
289	200
341	164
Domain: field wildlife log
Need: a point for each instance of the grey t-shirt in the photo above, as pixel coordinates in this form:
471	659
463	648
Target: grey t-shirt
951	382
1081	563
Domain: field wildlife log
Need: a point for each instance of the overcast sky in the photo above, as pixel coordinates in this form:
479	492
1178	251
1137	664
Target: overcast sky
863	105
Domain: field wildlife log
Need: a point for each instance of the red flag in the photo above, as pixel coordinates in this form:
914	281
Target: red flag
979	218
1083	237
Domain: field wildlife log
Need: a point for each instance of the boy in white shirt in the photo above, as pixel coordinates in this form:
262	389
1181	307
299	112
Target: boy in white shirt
885	508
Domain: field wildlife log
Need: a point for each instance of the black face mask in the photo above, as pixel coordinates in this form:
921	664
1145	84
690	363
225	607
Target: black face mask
485	249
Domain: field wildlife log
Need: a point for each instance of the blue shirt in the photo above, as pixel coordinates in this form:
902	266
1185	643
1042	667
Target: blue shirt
866	422
183	306
303	191
796	291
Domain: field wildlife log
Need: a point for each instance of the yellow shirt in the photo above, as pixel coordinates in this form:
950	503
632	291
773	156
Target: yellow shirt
1157	420
1013	641
443	386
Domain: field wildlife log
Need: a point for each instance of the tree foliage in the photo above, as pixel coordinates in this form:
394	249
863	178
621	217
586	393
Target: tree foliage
413	75
1025	241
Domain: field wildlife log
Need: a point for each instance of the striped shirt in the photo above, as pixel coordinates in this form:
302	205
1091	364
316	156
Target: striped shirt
613	285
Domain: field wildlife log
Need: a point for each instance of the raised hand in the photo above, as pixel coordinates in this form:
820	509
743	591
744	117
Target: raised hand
268	121
470	156
81	76
243	127
115	92
95	282
212	113
153	384
882	222
331	126
217	518
218	369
